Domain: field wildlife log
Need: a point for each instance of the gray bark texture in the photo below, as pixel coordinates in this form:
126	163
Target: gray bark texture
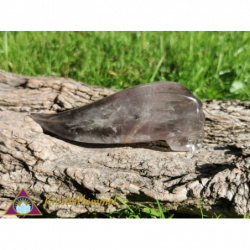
218	174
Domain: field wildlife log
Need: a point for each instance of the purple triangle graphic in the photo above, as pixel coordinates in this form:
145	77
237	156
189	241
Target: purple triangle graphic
23	193
11	211
34	211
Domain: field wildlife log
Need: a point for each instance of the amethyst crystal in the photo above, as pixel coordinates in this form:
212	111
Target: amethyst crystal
156	111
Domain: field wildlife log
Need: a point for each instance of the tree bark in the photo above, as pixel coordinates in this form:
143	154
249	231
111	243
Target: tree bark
218	174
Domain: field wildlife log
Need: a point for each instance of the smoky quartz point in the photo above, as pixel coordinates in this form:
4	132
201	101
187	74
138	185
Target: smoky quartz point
156	111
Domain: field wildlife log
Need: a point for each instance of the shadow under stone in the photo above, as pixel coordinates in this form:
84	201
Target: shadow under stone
161	146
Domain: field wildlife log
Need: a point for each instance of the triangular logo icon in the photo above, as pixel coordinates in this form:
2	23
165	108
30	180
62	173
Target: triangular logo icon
23	205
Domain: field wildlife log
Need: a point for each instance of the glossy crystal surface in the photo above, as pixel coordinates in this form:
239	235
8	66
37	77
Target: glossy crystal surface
157	111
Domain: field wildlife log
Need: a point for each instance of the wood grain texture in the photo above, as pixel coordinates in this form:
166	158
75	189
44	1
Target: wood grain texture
218	174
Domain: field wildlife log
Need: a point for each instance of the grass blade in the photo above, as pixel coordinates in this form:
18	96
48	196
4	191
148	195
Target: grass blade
160	209
157	68
200	208
246	216
125	204
171	216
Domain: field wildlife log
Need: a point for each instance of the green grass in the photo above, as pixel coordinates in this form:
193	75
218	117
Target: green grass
142	211
208	63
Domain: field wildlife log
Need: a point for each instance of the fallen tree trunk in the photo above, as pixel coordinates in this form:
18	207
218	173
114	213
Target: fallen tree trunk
46	166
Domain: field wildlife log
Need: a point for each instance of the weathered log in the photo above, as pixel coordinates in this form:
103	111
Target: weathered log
218	174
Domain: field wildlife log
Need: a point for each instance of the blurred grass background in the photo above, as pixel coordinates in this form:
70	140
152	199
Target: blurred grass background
213	65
